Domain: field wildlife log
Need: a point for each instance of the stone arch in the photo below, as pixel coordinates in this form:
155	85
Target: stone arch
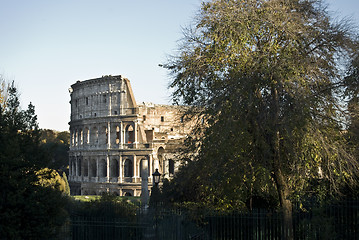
129	134
93	168
85	167
128	168
114	168
94	135
103	135
103	168
127	194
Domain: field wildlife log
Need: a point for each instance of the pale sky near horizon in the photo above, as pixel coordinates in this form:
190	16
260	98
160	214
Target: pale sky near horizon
47	45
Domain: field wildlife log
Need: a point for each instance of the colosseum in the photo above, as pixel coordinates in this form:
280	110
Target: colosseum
112	136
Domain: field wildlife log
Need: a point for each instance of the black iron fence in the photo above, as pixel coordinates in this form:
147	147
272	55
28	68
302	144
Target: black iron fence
333	221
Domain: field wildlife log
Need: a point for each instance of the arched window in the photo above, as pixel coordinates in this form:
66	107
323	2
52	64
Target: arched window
128	168
130	135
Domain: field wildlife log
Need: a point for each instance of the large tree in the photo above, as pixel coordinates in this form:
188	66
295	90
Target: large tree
266	76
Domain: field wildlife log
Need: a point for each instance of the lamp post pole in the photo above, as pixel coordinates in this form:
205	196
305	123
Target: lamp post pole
155	195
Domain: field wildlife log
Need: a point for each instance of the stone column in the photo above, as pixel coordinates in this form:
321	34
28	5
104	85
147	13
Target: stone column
122	97
109	100
73	166
108	135
156	164
70	166
108	168
122	135
134	167
121	172
135	132
88	169
150	165
144	184
88	136
97	169
76	166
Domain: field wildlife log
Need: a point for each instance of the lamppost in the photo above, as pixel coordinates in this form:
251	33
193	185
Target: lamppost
156	178
155	192
155	197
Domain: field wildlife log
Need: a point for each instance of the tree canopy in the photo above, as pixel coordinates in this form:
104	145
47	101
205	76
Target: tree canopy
29	207
56	145
266	77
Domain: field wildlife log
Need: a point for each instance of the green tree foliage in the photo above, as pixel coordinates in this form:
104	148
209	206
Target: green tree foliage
52	179
107	206
265	77
3	91
56	145
352	94
27	209
67	186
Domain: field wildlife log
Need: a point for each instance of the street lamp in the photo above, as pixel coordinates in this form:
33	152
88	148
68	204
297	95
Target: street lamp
155	198
156	177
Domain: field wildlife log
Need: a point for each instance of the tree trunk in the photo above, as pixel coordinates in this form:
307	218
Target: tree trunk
279	178
285	203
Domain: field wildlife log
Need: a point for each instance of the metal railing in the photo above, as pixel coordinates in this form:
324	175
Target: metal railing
334	221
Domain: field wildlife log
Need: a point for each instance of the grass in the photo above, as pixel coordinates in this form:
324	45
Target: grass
83	198
95	197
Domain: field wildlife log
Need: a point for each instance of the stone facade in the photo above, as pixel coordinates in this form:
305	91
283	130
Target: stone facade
112	136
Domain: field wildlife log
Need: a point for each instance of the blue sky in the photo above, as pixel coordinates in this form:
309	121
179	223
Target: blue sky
47	45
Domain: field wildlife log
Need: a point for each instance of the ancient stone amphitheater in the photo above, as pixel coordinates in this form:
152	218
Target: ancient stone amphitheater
112	137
